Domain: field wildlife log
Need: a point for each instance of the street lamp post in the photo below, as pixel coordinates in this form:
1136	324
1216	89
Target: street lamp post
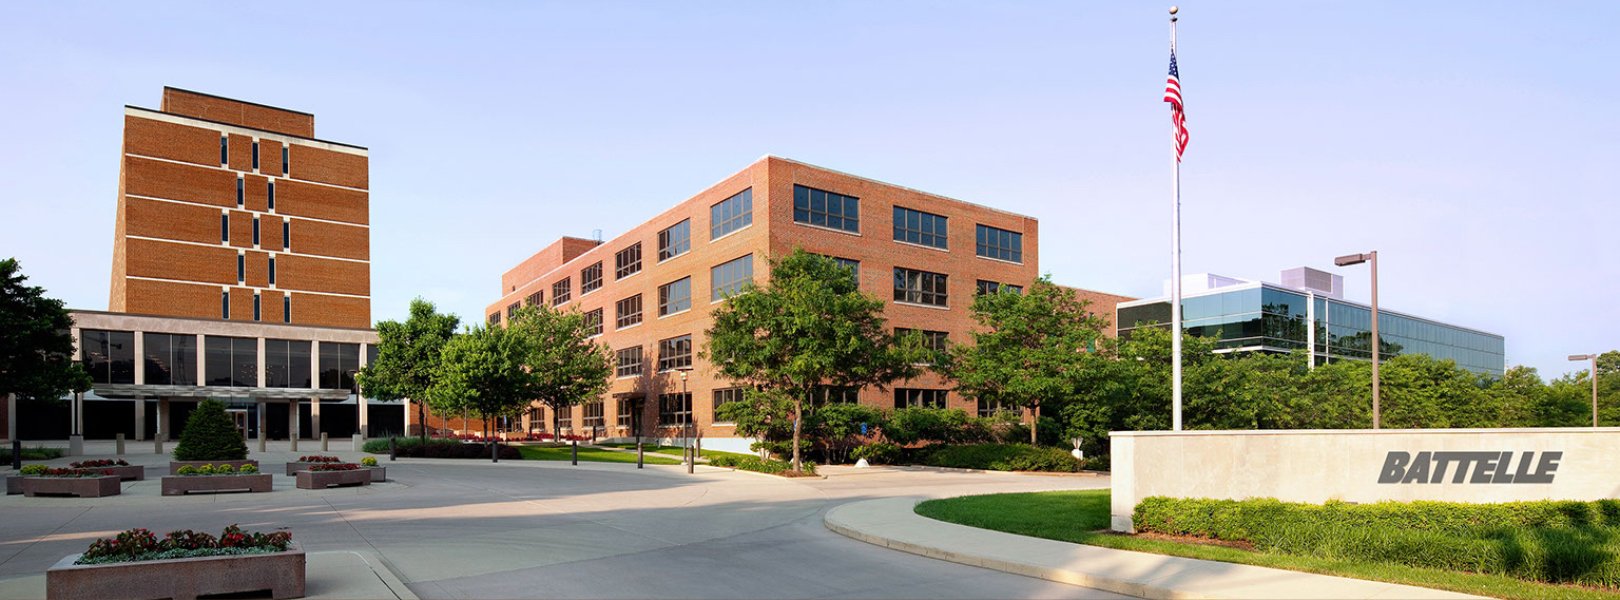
1593	358
635	421
1356	259
686	449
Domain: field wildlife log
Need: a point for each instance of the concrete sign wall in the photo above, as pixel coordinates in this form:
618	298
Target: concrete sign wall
1456	465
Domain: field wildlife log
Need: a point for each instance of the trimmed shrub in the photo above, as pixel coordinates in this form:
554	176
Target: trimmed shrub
34	470
439	448
760	465
186	470
248	470
1547	541
1001	457
210	434
368	461
205	470
33	453
882	453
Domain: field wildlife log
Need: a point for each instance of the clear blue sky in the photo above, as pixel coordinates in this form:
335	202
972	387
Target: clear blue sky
1472	144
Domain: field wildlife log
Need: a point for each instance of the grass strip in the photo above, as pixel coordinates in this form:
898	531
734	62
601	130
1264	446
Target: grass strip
590	455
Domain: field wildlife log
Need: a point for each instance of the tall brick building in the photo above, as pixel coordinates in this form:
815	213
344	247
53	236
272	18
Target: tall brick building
652	288
233	210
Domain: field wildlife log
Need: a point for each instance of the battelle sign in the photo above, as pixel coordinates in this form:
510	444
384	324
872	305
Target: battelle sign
1315	466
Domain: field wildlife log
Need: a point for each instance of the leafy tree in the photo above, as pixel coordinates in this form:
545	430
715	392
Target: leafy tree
565	365
809	326
408	355
36	348
838	428
483	370
763	414
210	434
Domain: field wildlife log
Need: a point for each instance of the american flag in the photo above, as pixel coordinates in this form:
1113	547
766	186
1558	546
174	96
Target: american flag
1172	94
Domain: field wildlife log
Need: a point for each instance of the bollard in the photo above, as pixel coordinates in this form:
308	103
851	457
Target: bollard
357	443
16	455
261	443
697	450
323	441
292	438
494	452
576	452
118	444
157	445
638	455
393	449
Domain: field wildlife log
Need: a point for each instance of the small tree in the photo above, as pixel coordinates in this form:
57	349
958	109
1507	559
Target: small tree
210	435
36	349
482	370
1032	347
809	326
408	354
567	367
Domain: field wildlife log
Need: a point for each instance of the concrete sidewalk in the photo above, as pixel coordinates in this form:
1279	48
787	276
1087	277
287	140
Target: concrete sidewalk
893	523
327	575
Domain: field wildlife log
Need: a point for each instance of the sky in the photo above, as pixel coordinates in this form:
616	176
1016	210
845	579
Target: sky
1472	145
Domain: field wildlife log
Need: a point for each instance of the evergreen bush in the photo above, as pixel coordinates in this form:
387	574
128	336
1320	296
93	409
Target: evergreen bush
210	435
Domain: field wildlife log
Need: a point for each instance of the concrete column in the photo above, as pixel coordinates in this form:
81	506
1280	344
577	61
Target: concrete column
260	362
315	417
140	358
361	414
162	420
410	412
362	418
76	435
202	360
292	423
140	418
261	414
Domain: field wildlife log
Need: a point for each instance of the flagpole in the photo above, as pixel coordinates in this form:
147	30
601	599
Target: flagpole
1175	257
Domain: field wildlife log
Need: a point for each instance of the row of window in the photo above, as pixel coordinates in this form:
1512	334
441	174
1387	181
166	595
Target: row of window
225	231
728	278
832	210
225	155
675	409
258	306
171	359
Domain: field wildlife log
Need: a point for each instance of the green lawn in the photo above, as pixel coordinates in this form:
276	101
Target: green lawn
672	450
589	455
1082	517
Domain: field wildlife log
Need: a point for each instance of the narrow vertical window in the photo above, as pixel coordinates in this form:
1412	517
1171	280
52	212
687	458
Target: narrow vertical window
238	192
256	313
286	308
224	228
272	192
255	231
272	270
255	156
224	150
225	304
241	268
286	235
284	161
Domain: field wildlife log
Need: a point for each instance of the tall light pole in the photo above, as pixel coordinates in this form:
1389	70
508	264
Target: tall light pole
1356	259
1593	358
686	445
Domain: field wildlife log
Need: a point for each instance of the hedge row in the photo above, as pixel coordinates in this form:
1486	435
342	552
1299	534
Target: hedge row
439	448
999	457
757	464
1547	541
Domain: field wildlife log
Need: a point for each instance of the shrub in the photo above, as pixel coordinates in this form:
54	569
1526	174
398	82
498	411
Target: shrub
33	453
319	458
916	424
1548	541
440	448
1097	463
334	467
368	461
224	470
760	465
33	470
186	470
210	434
247	470
92	464
882	453
1002	457
205	470
140	544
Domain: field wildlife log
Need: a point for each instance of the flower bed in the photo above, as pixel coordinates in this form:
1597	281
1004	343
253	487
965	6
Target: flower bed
320	477
175	465
215	479
119	467
39	480
305	462
184	564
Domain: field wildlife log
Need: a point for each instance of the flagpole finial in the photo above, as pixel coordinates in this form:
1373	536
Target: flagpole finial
1174	9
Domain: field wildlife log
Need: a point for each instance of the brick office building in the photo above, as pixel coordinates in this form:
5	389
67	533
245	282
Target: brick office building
241	271
652	288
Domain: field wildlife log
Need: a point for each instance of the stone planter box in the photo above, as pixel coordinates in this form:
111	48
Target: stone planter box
320	480
83	487
180	485
126	473
377	473
14	485
182	578
174	465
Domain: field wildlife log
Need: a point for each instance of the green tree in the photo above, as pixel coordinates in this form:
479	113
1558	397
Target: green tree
809	326
210	434
1031	348
36	348
483	370
408	355
565	364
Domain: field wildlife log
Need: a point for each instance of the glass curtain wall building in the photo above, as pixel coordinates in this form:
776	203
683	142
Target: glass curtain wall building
1272	318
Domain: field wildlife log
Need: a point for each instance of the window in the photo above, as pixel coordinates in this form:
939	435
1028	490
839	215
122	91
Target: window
999	244
593	414
674	409
286	364
286	235
932	340
826	209
241	267
675	240
109	356
239	192
535	299
562	291
255	156
724	396
919	287
495	318
255	231
231	361
626	411
272	192
170	359
992	287
731	214
835	394
628	311
256	312
590	278
914	397
272	270
284	161
565	418
991	409
224	150
853	265
627	262
338	364
511	309
917	227
675	296
729	278
286	308
593	322
225	304
627	362
224	228
675	353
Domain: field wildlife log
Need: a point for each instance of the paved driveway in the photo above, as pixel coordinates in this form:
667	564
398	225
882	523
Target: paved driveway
471	529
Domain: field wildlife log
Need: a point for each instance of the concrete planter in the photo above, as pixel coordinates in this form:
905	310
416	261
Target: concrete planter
180	485
14	485
83	487
320	480
377	473
182	578
174	465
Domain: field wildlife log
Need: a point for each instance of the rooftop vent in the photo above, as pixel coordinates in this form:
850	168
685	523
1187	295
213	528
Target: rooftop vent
1314	280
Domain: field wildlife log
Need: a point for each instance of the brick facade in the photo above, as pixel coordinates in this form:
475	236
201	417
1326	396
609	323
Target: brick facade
182	222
